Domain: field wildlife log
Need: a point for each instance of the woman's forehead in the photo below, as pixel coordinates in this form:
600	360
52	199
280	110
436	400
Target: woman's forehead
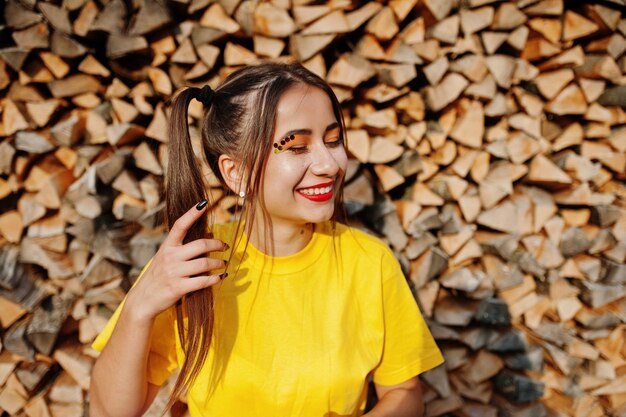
305	103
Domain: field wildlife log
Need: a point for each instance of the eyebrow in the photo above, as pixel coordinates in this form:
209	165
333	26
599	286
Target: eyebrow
309	132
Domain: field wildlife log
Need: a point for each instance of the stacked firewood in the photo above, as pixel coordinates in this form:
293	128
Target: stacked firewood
488	145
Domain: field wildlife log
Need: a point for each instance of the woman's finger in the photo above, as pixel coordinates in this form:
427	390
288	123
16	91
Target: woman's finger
200	266
181	226
197	283
200	247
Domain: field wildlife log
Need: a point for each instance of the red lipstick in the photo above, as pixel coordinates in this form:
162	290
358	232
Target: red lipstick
318	197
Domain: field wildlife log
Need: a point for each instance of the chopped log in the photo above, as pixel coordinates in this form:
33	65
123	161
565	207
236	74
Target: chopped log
77	365
572	135
350	70
73	85
269	47
389	177
14	340
86	18
33	376
111	19
472	66
18	283
119	46
516	387
575	26
469	129
599	66
454	312
517	39
399	52
446	92
613	97
305	47
55	64
13	396
66	47
429	49
551	29
439	9
92	66
152	16
12	119
597	295
461	279
272	21
477	19
359	16
508	17
18	17
436	70
551	83
332	23
501	67
383	25
307	14
65	390
56	16
46	323
14	57
33	37
543	171
570	101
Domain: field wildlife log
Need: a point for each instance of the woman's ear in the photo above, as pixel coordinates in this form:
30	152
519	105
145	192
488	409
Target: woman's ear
232	172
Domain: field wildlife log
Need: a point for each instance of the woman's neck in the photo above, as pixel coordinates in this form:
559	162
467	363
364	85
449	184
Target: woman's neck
287	238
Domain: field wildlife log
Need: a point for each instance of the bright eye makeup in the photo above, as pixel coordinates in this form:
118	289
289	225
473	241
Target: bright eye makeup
297	141
284	143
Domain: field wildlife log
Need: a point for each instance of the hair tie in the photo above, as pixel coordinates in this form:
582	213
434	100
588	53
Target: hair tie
205	95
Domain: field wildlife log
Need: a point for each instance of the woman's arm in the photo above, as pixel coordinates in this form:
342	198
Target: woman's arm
401	400
119	385
119	379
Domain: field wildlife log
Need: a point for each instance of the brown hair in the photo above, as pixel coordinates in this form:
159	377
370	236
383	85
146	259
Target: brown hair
239	122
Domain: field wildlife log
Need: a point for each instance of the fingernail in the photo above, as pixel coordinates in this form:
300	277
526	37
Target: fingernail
201	205
223	275
226	246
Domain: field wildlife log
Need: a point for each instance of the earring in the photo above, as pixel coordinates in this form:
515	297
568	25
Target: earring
242	194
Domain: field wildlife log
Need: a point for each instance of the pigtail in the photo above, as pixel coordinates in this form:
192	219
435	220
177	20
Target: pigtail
185	187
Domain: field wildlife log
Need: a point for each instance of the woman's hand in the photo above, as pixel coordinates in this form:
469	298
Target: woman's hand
176	269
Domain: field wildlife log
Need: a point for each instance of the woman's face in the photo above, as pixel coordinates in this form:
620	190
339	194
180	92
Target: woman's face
307	160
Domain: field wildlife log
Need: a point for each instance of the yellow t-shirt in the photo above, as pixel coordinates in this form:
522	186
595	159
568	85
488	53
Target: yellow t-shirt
299	335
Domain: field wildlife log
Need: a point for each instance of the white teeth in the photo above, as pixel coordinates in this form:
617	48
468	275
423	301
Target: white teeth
316	191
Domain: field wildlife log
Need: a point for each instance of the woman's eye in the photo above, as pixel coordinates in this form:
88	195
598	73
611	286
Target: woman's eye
297	149
334	142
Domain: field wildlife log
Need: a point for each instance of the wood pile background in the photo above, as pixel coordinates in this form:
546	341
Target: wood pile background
489	149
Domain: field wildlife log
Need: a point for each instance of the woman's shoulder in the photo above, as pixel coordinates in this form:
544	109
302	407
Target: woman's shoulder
361	241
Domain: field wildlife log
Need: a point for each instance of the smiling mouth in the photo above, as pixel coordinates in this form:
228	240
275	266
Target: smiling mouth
322	192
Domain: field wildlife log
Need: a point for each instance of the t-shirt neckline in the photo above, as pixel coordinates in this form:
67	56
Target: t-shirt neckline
288	264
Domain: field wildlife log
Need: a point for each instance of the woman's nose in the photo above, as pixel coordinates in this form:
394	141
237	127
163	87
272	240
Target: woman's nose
323	162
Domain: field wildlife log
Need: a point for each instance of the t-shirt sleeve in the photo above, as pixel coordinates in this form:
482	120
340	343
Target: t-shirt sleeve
409	348
162	356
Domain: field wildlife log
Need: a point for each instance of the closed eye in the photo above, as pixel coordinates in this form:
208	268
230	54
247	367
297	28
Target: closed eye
297	149
334	142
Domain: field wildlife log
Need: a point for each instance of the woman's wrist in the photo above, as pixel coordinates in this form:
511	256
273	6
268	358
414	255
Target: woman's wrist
135	310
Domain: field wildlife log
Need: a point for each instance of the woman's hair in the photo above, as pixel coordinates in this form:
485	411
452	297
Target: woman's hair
239	121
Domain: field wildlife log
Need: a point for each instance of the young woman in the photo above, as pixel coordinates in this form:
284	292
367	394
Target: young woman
286	312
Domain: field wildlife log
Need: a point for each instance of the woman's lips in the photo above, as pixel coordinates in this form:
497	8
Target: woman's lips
319	193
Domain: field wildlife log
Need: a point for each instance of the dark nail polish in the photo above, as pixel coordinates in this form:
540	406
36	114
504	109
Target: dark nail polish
201	205
224	275
226	246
